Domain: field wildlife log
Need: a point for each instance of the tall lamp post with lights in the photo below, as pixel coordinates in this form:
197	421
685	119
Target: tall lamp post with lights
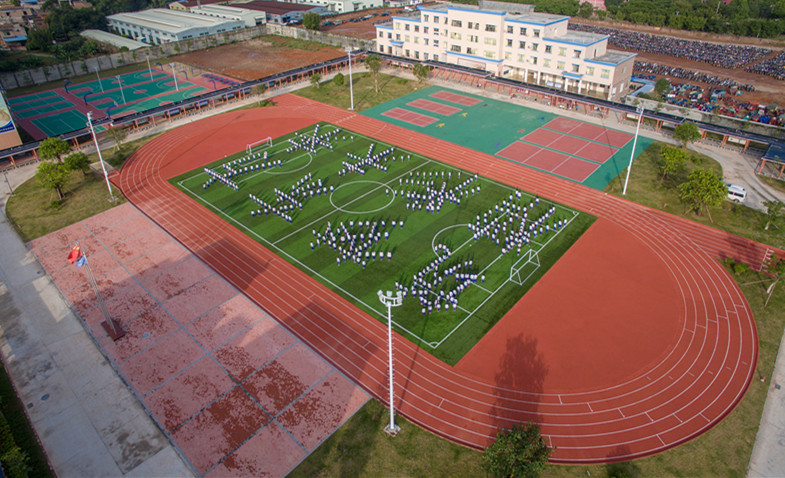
100	158
391	301
639	110
351	88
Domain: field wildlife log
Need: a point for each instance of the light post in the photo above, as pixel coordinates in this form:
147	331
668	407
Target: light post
100	158
391	301
149	70
351	87
99	79
121	87
175	77
639	109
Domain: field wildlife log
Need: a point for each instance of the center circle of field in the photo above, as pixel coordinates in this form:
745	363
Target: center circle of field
352	197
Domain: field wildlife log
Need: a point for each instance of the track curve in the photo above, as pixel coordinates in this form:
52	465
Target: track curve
690	390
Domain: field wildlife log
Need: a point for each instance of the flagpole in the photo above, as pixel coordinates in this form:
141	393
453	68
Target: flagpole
110	325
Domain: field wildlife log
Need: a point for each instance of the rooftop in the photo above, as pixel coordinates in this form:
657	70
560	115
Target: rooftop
112	39
614	57
163	19
581	38
275	8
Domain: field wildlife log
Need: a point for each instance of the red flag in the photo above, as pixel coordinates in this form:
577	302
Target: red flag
74	254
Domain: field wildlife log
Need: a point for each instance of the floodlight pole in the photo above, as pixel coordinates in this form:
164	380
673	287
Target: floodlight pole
174	75
149	70
351	87
639	109
391	301
99	79
100	158
120	82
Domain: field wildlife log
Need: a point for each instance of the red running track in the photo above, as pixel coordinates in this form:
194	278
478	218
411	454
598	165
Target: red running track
669	396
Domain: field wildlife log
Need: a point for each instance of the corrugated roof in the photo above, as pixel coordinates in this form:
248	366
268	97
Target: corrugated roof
112	39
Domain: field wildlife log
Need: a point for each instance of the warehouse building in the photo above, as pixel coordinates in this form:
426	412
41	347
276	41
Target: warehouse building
159	25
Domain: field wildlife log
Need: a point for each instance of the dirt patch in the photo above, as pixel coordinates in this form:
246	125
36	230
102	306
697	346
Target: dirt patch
260	57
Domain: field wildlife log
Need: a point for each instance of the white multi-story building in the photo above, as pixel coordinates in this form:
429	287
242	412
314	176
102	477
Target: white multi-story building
159	25
525	45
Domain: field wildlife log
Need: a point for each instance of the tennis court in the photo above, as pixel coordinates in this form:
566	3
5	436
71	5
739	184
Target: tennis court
579	151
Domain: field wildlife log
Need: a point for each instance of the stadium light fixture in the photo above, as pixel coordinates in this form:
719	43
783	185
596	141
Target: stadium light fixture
100	158
639	109
120	82
349	50
99	79
149	70
391	301
174	75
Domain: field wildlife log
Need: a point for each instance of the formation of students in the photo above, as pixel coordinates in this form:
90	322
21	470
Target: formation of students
311	143
436	287
420	190
306	187
221	178
508	224
371	160
281	210
356	241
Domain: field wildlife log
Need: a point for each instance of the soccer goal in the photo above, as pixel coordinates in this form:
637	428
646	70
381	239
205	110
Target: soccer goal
525	267
264	143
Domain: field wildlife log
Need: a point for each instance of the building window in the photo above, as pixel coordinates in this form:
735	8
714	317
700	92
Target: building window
471	51
417	54
471	25
436	43
521	44
559	65
547	48
455	36
435	57
397	25
473	38
381	48
509	29
417	28
398	36
406	38
435	31
509	42
523	31
381	34
546	63
590	70
534	60
490	54
576	68
389	36
490	41
536	34
406	27
456	23
425	55
490	28
425	40
425	17
521	57
576	53
436	19
416	40
425	30
605	73
508	56
562	51
408	54
535	46
456	48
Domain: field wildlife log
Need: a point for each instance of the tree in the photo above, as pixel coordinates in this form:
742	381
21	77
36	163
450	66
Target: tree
703	189
315	79
53	175
520	451
312	21
674	159
421	72
77	162
585	10
53	148
117	134
773	216
686	133
374	64
339	79
39	39
662	86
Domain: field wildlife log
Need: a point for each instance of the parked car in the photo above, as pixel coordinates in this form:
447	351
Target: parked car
736	193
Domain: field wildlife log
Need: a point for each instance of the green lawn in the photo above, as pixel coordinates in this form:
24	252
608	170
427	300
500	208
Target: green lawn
365	95
379	196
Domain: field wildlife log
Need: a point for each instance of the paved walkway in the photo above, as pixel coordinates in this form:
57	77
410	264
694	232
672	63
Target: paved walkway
87	419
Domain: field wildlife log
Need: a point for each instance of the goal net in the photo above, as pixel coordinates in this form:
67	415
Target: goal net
258	145
525	267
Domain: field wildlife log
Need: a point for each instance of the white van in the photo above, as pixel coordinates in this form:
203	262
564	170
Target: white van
736	193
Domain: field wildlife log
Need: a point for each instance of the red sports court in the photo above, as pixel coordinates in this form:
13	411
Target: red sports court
407	116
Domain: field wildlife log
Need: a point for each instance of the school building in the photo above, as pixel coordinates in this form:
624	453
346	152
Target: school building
511	41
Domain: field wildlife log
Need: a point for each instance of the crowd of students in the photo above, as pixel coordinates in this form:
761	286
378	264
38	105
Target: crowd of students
311	143
438	288
357	241
371	160
421	192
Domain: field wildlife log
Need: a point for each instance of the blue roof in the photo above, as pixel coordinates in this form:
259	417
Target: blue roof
16	38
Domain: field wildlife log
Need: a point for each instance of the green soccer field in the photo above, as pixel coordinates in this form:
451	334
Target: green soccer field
463	249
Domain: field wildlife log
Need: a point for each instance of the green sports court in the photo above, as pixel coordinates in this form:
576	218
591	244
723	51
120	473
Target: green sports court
579	151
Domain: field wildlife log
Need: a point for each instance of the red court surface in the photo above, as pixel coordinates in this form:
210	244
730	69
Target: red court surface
608	378
547	160
229	386
417	119
582	148
589	131
433	107
455	98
